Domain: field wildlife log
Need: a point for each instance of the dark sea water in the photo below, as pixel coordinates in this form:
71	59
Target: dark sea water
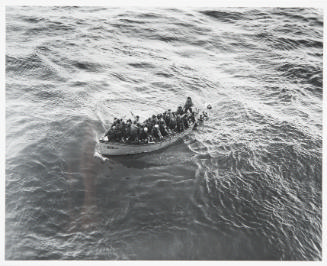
245	186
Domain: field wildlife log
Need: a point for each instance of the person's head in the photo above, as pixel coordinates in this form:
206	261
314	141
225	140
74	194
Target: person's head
180	107
145	129
156	126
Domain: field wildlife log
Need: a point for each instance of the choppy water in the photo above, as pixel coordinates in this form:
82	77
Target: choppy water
247	185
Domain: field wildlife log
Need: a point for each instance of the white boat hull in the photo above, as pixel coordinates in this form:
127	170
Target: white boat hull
116	148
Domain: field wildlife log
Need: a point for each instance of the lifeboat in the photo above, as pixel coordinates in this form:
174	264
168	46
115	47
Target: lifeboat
106	147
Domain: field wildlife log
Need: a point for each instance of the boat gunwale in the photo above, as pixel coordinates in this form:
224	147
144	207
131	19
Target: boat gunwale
174	137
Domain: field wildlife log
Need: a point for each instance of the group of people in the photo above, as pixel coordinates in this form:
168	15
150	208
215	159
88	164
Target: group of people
154	128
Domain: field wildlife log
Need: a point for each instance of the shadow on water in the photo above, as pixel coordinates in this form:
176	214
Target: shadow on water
119	192
149	160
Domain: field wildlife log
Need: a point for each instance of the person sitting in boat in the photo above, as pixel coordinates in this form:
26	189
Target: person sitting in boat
126	130
164	115
167	117
162	127
188	104
123	131
150	122
179	110
173	122
119	131
110	133
133	132
192	117
137	119
159	116
180	124
144	136
154	120
169	131
156	133
140	128
185	120
115	122
149	125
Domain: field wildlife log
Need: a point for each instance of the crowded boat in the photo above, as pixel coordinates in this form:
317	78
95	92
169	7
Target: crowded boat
155	128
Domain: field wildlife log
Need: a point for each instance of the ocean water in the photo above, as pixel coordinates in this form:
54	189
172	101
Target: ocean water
247	185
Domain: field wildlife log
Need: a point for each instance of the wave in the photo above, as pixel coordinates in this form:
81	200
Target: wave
224	15
246	185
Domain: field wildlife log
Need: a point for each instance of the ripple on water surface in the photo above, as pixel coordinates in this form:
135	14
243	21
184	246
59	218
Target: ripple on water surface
245	186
